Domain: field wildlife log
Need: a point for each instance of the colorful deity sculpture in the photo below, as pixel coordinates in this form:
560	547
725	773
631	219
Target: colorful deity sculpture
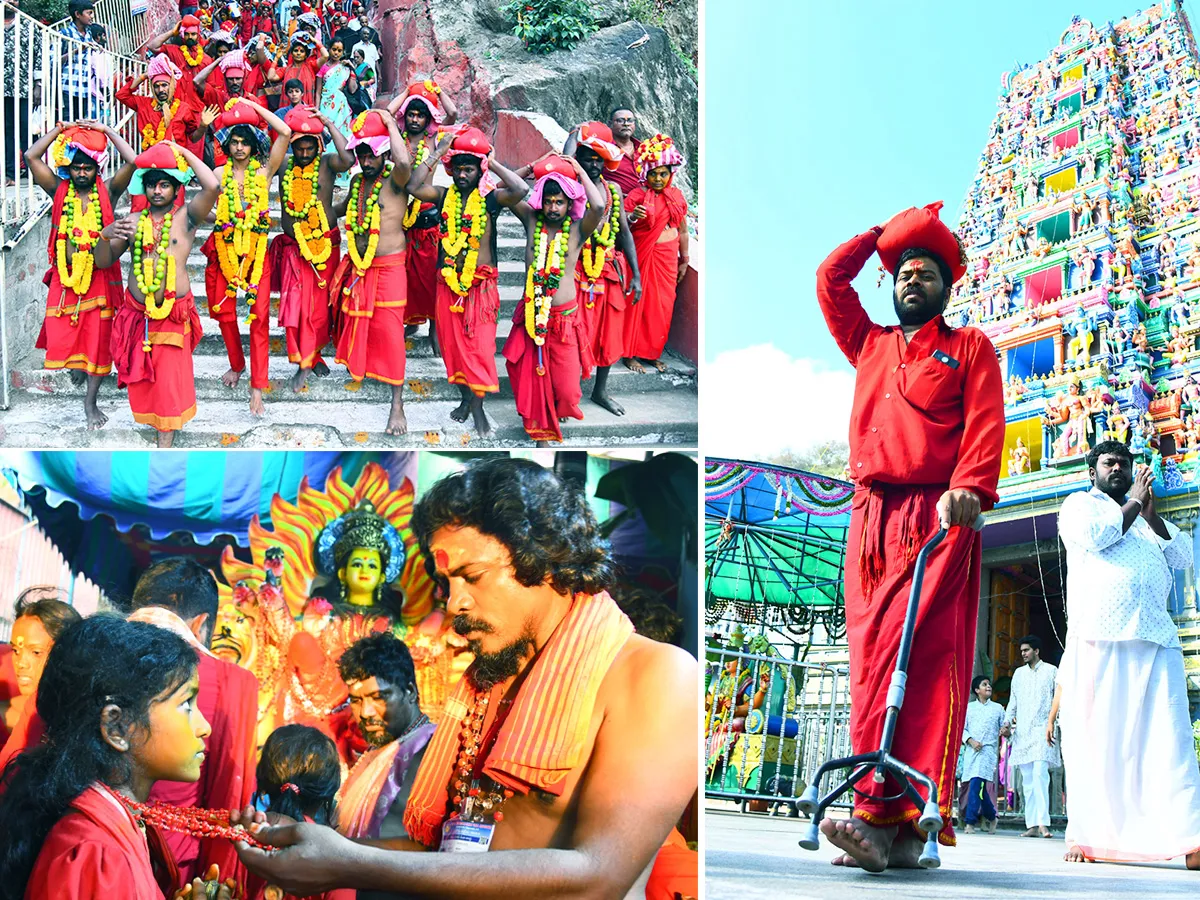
337	566
1018	459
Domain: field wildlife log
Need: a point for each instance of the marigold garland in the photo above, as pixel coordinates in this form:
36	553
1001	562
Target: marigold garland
82	229
414	205
462	230
596	247
187	57
542	280
153	274
240	234
151	134
301	200
363	216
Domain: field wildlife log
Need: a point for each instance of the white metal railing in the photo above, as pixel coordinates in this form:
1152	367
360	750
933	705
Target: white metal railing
37	95
127	33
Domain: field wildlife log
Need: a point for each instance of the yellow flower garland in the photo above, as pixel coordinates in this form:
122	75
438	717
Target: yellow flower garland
152	135
414	205
301	200
153	274
188	58
363	216
455	239
596	247
542	280
246	220
83	230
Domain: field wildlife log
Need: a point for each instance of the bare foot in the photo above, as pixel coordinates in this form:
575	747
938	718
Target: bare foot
460	412
633	365
300	379
256	402
601	398
482	426
95	419
1045	832
77	376
1192	860
991	827
845	860
1074	854
231	378
320	368
397	423
658	364
1030	832
867	845
906	851
165	439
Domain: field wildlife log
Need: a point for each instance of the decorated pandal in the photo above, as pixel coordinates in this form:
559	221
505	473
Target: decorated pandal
336	566
1082	236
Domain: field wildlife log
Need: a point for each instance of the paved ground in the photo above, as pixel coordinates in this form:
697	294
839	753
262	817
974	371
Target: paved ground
747	857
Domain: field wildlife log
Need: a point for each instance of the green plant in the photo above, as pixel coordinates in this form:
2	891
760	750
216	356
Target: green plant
548	25
47	11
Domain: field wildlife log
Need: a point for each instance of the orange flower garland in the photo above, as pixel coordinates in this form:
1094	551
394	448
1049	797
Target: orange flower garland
301	200
83	230
187	57
151	135
241	230
600	242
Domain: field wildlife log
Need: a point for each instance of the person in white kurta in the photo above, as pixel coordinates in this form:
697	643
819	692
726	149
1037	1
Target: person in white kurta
1133	785
981	753
1028	711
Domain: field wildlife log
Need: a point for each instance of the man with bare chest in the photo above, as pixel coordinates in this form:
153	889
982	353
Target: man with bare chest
468	299
570	739
157	327
304	258
548	352
370	289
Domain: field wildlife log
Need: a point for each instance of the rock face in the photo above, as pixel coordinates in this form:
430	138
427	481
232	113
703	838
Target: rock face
468	44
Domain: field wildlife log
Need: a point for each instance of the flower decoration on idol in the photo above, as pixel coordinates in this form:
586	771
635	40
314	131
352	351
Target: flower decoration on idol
464	221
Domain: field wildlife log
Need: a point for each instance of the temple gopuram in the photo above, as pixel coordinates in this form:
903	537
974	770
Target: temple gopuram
1082	234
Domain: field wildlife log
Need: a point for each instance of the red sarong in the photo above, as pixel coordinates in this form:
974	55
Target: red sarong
888	525
422	275
648	322
468	338
547	384
77	332
303	301
224	311
604	308
370	340
162	386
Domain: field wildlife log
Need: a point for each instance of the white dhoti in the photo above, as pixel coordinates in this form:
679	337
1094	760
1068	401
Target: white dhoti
1133	785
1035	793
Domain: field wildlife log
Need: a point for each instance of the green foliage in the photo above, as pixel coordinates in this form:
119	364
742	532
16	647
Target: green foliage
48	11
548	25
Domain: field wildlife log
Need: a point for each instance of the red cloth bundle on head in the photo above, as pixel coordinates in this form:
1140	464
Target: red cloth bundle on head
470	142
598	137
428	93
920	228
370	129
304	123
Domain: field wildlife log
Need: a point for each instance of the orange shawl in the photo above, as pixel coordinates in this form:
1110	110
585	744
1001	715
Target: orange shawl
543	737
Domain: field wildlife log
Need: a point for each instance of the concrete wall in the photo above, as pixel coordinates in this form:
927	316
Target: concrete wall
24	294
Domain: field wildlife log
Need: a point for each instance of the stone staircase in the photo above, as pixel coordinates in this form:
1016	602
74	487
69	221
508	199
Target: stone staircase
333	411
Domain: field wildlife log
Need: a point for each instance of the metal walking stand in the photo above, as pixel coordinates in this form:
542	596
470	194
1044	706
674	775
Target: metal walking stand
882	760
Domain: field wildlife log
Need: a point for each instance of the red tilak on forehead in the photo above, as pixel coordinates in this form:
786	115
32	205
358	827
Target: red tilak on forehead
913	265
442	560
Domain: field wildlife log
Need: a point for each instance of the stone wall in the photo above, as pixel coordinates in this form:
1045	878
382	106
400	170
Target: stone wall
24	294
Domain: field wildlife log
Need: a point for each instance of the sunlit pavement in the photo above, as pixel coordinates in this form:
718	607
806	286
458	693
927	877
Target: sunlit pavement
751	856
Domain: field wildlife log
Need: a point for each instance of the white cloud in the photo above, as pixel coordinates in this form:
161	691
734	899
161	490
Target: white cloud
757	401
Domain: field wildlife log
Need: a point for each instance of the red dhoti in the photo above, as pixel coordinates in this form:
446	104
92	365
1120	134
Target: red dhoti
604	306
467	338
77	331
648	322
888	526
162	387
422	275
370	340
303	298
224	310
546	379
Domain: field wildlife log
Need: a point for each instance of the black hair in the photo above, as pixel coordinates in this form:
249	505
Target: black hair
546	524
152	177
616	109
293	84
914	253
305	759
465	158
553	187
95	662
180	584
419	106
1114	448
379	656
977	681
44	602
1034	642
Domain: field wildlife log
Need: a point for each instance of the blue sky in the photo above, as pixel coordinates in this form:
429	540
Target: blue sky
821	120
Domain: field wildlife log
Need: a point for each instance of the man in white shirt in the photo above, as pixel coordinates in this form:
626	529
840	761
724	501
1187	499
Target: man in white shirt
1029	700
1133	785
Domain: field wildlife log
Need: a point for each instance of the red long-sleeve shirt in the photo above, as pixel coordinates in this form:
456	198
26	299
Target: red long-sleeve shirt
917	418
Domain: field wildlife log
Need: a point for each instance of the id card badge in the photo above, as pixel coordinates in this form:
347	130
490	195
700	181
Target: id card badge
459	836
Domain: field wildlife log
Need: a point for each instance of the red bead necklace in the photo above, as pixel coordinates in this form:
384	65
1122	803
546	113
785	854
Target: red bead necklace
202	823
470	798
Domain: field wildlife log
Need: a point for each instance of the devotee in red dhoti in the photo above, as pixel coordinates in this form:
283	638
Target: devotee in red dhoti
926	437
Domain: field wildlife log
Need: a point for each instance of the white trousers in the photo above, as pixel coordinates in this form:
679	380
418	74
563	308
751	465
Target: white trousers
1035	792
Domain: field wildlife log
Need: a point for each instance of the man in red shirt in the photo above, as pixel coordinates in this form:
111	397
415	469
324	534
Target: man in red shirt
626	177
172	113
189	54
926	439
